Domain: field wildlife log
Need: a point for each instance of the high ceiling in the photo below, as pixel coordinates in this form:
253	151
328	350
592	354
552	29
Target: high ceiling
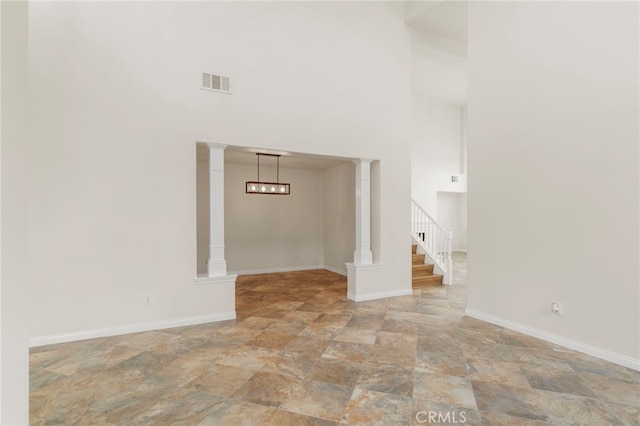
446	18
439	38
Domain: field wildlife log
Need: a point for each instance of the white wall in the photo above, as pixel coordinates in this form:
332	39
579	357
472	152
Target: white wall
339	213
115	109
462	222
436	135
439	68
452	213
14	361
553	155
436	151
265	232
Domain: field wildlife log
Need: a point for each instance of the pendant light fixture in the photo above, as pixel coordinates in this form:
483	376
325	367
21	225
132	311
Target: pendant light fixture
268	188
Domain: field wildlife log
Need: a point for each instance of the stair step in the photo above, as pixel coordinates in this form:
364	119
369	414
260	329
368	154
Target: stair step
426	281
422	273
423	269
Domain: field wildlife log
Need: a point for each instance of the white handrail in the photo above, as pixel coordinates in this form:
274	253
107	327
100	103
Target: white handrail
434	240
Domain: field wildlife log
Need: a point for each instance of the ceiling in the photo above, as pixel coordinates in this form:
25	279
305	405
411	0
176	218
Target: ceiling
447	19
439	49
288	160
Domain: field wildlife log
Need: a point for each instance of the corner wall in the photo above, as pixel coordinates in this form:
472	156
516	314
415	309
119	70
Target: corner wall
554	165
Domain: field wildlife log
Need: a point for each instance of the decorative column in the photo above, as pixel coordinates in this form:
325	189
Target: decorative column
362	254
216	265
363	276
215	294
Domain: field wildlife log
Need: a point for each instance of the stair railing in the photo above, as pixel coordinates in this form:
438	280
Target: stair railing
434	240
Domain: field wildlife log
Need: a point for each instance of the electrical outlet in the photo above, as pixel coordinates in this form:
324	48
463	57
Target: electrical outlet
147	299
556	308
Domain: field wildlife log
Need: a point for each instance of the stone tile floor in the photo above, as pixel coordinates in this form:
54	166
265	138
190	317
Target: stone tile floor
301	353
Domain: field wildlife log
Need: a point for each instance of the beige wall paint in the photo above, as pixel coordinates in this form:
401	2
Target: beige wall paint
202	215
273	231
436	152
115	111
553	166
14	288
312	227
452	213
339	214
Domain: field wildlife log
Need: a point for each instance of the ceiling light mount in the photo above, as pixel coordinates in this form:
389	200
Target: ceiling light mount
268	188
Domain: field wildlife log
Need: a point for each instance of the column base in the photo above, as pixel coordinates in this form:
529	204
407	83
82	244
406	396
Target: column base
219	279
359	279
366	282
217	267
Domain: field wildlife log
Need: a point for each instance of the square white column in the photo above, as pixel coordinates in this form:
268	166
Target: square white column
217	284
363	254
216	265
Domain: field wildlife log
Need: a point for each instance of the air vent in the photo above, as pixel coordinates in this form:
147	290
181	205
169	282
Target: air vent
217	83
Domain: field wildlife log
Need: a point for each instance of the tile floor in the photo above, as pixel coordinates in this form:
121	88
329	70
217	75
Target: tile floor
300	353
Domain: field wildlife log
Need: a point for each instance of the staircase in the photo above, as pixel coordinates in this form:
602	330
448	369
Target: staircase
435	242
422	273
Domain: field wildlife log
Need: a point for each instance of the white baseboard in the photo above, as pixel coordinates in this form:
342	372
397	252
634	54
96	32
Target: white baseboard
126	329
335	270
604	354
381	295
275	270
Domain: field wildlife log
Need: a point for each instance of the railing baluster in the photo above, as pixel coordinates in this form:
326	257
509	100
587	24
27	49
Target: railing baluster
433	239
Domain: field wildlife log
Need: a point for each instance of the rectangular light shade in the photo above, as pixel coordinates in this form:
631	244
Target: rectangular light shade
268	188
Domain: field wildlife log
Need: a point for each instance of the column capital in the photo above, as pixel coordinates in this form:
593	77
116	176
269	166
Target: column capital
362	161
213	145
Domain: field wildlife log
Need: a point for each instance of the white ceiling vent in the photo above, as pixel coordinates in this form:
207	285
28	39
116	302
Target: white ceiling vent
217	83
